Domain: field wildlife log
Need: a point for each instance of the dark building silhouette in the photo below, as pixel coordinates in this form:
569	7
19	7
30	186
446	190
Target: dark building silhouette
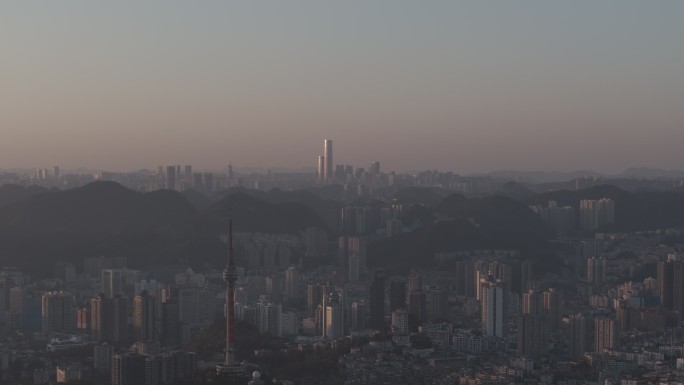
397	295
377	301
145	317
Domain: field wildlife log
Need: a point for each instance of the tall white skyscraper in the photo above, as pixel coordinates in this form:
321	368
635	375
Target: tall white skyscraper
328	160
320	171
494	309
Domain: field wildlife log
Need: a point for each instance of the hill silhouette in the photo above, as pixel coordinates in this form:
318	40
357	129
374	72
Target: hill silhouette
101	217
487	223
427	196
515	191
13	193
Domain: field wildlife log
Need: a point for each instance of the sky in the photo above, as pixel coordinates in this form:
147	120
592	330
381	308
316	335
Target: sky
466	86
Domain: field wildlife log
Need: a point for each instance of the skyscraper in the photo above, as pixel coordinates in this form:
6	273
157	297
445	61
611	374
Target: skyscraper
606	334
320	170
377	301
532	337
170	177
145	317
553	308
494	309
333	327
397	294
328	160
58	312
291	283
109	318
578	328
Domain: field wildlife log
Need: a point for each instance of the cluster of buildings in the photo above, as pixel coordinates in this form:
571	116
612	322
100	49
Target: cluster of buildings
589	216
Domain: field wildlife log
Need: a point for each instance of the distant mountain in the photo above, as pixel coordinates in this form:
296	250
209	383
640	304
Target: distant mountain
99	218
651	173
489	223
427	196
251	214
12	193
95	209
515	191
645	210
541	176
161	227
197	199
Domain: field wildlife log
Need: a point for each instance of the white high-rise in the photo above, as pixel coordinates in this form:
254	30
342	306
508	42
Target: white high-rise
494	309
328	160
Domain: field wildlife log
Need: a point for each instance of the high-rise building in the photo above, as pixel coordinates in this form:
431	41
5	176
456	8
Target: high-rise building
377	301
578	339
596	270
291	283
109	318
208	182
354	267
268	318
67	374
187	175
171	324
314	298
437	302
665	275
320	170
359	314
128	369
596	213
532	303
316	243
145	317
328	160
171	178
400	324
561	219
333	327
397	294
494	309
532	336
606	334
417	305
112	282
102	357
15	314
119	281
553	308
58	312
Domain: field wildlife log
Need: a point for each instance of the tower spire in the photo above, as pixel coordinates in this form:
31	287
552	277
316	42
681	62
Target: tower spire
230	275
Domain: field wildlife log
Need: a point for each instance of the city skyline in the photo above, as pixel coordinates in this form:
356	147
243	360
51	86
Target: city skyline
468	87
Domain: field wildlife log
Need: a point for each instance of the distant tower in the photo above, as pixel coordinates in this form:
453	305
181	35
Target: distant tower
230	274
377	301
328	160
320	170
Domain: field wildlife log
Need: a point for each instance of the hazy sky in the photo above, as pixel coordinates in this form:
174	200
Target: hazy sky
464	86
